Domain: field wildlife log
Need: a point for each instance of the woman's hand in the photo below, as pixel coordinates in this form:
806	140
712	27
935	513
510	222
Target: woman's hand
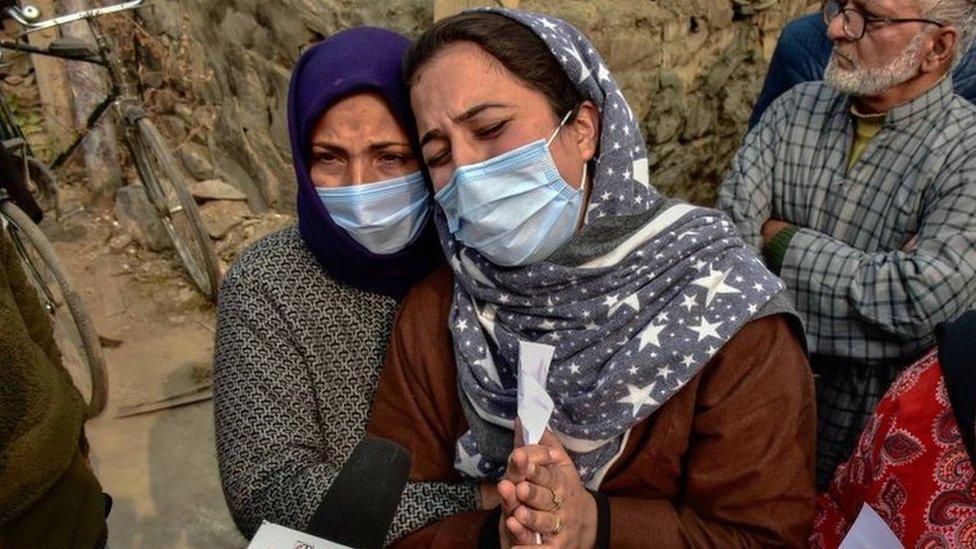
523	461
550	498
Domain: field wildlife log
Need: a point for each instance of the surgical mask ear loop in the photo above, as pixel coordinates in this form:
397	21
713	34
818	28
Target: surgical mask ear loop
559	127
584	201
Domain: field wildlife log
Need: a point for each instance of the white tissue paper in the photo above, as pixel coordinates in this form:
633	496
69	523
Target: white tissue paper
870	532
273	536
534	404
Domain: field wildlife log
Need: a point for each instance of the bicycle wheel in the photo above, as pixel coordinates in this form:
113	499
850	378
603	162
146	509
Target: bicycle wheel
81	352
166	187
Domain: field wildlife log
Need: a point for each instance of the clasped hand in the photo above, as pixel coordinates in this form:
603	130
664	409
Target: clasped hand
542	493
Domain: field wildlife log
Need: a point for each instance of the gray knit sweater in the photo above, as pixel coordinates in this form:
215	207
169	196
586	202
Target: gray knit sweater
296	365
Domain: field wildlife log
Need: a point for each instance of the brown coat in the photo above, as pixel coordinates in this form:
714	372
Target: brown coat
727	462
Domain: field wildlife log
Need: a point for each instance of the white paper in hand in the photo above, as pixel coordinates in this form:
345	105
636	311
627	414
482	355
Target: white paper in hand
273	536
870	532
534	404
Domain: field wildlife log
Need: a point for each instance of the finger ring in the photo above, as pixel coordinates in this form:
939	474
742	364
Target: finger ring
557	502
558	528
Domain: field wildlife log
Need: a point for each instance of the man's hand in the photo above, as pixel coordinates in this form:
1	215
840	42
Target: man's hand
910	246
771	228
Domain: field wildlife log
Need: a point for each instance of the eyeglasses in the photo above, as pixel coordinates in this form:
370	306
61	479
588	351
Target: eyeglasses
855	21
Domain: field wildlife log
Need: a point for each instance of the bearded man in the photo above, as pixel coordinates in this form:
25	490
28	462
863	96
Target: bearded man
861	192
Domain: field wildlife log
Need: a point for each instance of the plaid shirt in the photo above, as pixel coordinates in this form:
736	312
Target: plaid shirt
868	306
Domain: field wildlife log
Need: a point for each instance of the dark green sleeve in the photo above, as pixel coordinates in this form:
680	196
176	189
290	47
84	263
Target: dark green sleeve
775	251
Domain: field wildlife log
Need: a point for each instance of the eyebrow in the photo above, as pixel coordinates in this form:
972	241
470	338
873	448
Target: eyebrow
462	118
374	147
866	6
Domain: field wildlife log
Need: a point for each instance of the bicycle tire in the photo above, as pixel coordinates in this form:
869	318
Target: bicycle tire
27	233
178	211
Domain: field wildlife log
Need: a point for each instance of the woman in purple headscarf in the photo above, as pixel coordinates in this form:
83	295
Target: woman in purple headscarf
305	314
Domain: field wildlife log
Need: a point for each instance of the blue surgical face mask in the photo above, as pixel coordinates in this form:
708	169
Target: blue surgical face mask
515	209
385	217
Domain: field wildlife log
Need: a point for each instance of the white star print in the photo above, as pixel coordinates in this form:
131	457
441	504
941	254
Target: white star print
638	397
715	284
488	364
547	325
688	360
462	325
651	336
690	302
632	301
611	301
584	70
467	463
665	372
706	329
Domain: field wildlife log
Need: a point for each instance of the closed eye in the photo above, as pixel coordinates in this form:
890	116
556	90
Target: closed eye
492	131
438	159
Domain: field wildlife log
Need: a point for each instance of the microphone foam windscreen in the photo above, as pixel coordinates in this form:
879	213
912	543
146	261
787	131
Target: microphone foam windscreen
359	507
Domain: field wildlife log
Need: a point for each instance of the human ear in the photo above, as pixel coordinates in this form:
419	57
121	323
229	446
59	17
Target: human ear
587	128
944	43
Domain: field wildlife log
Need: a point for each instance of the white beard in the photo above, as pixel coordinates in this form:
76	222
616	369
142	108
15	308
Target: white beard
860	81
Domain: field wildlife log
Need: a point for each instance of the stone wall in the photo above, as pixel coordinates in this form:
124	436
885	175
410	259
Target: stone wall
217	73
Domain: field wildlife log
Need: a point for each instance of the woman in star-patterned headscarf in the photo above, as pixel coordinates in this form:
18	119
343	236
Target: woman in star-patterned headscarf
679	380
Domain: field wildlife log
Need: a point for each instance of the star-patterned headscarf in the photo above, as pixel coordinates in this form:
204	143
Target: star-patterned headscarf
635	305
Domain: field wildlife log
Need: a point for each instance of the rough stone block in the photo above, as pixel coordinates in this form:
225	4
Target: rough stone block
138	218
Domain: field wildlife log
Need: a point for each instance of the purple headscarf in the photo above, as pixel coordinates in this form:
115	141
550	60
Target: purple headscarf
361	59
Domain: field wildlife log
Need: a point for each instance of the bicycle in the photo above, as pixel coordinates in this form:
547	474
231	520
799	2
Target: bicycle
38	178
74	333
154	162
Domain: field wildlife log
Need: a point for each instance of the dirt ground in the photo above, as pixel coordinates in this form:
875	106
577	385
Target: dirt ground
160	467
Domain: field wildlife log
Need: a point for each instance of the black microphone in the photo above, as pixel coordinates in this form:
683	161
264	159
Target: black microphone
358	509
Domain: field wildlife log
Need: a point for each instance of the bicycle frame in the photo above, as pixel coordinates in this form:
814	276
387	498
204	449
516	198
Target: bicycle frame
121	94
29	14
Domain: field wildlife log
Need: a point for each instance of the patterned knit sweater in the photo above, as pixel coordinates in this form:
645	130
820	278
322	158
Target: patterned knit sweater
296	365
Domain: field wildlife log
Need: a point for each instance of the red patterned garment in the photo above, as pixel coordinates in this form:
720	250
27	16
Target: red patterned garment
910	465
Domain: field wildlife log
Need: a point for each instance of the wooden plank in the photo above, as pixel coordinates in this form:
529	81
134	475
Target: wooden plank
52	82
193	396
90	85
447	8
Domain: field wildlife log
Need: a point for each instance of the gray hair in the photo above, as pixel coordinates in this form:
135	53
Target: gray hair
961	14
